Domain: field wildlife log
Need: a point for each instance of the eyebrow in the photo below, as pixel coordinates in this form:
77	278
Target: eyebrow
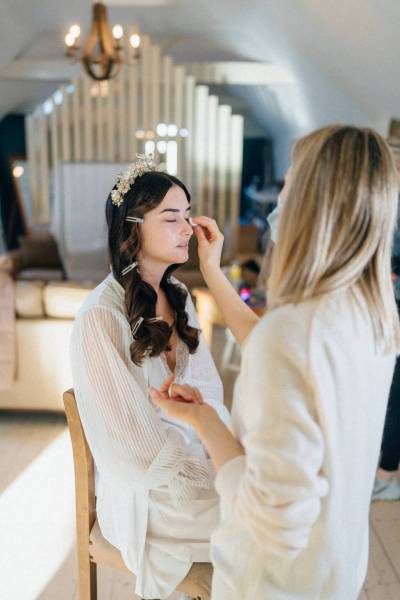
174	210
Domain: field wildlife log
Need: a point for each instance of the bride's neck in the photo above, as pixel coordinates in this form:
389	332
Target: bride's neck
152	272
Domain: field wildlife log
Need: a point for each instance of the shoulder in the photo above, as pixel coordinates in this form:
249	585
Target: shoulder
295	323
284	334
108	295
297	331
100	325
103	309
286	325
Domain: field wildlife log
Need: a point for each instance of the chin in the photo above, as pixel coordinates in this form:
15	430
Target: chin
180	258
175	260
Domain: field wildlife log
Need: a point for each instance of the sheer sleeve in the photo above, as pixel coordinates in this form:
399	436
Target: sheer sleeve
129	442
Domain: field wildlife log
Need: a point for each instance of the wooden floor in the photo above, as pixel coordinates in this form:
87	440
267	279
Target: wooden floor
37	553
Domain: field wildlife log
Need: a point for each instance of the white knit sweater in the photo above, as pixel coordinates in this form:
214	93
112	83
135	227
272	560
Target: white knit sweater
309	409
156	499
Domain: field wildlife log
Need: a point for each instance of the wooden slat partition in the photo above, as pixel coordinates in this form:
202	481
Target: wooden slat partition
211	156
65	125
44	191
112	121
223	146
32	140
235	173
189	126
87	119
179	91
76	119
200	140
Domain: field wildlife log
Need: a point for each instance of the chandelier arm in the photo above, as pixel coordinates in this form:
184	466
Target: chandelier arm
107	42
105	70
109	61
91	40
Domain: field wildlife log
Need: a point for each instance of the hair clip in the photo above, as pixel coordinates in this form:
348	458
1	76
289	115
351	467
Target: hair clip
137	325
154	319
129	268
134	219
140	321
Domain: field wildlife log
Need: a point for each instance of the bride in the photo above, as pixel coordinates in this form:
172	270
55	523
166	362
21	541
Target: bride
156	500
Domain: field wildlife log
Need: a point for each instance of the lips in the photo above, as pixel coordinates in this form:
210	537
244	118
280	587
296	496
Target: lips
183	245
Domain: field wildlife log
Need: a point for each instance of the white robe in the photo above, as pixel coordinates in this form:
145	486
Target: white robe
156	500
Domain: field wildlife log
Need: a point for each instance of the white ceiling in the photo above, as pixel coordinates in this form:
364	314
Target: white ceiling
343	54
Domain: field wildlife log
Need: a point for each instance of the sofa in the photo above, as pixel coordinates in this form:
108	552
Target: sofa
44	316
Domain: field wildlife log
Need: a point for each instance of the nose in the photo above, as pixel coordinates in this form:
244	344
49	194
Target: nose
186	229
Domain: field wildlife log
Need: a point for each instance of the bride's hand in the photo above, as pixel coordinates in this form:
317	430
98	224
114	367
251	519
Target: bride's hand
210	242
178	392
182	402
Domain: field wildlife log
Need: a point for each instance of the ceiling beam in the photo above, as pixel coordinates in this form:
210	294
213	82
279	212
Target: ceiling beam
238	73
141	3
40	68
211	73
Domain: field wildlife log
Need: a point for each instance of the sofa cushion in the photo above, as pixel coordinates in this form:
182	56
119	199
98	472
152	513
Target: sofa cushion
29	298
40	274
63	299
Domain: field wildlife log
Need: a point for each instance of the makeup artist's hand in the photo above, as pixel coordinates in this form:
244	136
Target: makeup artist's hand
212	431
182	402
176	391
210	242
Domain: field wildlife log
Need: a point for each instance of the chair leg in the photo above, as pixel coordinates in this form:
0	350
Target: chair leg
87	573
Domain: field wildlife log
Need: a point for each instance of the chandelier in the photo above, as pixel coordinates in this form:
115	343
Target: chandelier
102	56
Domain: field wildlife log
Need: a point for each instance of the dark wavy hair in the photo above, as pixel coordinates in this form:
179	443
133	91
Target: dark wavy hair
124	243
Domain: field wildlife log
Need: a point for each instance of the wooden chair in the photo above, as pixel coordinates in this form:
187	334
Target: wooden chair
92	548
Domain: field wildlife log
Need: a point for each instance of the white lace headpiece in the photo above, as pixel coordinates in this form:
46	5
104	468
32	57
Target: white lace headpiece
144	163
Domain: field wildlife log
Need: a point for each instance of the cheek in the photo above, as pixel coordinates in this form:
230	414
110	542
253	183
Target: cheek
168	234
156	241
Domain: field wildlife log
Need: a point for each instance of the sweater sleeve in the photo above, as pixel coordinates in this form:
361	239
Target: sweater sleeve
276	489
129	442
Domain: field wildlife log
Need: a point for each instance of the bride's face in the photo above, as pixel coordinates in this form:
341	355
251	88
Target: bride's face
166	230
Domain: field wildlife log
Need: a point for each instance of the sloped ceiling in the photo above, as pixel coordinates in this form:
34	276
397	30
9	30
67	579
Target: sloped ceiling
343	54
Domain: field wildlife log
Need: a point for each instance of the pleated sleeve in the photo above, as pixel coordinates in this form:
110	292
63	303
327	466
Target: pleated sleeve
130	444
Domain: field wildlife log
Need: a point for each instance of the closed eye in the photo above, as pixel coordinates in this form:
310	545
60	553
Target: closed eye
174	220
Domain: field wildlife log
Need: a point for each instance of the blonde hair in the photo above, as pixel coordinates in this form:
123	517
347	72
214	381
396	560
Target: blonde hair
337	225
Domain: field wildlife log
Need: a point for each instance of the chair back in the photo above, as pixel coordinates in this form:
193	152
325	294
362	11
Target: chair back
83	467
